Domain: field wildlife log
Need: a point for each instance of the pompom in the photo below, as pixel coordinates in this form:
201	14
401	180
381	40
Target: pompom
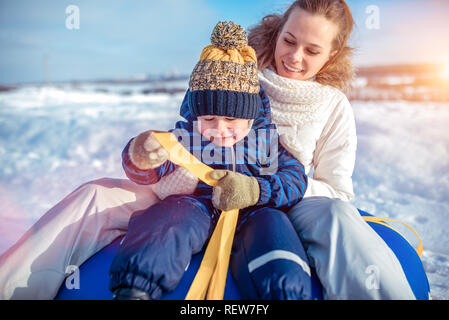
228	35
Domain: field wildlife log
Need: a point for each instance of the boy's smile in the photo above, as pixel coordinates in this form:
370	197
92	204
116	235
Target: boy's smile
223	131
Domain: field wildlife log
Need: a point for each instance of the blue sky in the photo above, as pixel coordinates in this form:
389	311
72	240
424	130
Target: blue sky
125	38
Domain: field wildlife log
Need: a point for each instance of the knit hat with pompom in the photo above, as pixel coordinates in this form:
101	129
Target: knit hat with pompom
224	82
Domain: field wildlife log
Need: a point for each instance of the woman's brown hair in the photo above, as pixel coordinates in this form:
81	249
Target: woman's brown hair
338	71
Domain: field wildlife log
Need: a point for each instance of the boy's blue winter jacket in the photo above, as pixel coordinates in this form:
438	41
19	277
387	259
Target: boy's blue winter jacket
281	177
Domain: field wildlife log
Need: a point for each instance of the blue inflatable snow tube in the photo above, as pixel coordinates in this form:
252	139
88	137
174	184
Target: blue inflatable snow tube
94	277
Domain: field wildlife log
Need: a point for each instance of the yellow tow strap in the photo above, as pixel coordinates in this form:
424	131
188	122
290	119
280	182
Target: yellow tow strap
211	276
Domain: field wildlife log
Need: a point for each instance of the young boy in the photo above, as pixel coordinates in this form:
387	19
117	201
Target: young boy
231	132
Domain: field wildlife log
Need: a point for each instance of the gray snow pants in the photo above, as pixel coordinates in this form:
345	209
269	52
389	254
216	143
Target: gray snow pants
344	250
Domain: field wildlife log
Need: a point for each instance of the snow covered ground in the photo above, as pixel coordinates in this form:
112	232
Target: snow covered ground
52	139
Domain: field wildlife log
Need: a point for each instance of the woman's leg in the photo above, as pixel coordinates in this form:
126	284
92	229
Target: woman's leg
68	234
159	245
268	260
351	260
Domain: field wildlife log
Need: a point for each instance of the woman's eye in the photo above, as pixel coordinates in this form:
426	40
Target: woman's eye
230	119
288	41
313	53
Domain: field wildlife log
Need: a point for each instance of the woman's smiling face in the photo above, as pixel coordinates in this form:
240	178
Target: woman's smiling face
304	45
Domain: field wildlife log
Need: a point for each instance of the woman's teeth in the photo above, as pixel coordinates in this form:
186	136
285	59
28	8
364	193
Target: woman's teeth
291	68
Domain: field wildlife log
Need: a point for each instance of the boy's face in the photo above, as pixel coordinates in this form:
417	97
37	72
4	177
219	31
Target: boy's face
223	131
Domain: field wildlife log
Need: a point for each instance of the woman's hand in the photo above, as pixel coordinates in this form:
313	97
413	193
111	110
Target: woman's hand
146	152
234	190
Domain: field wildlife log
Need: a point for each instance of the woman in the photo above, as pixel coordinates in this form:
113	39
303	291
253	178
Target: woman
304	60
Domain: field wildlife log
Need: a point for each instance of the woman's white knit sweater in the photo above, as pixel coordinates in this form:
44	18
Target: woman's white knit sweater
316	125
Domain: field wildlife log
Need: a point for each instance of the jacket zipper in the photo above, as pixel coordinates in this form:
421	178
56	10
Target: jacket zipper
233	159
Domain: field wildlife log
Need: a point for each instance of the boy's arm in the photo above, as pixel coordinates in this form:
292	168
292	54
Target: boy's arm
283	189
144	176
286	187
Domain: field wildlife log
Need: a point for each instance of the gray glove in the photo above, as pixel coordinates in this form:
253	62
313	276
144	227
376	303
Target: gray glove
234	190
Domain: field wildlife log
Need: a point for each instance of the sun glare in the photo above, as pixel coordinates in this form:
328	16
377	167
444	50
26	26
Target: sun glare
445	71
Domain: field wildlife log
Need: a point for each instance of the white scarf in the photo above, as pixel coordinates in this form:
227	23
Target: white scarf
294	102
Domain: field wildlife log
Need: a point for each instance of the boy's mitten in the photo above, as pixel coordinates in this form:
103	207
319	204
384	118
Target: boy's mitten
146	152
180	181
234	190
